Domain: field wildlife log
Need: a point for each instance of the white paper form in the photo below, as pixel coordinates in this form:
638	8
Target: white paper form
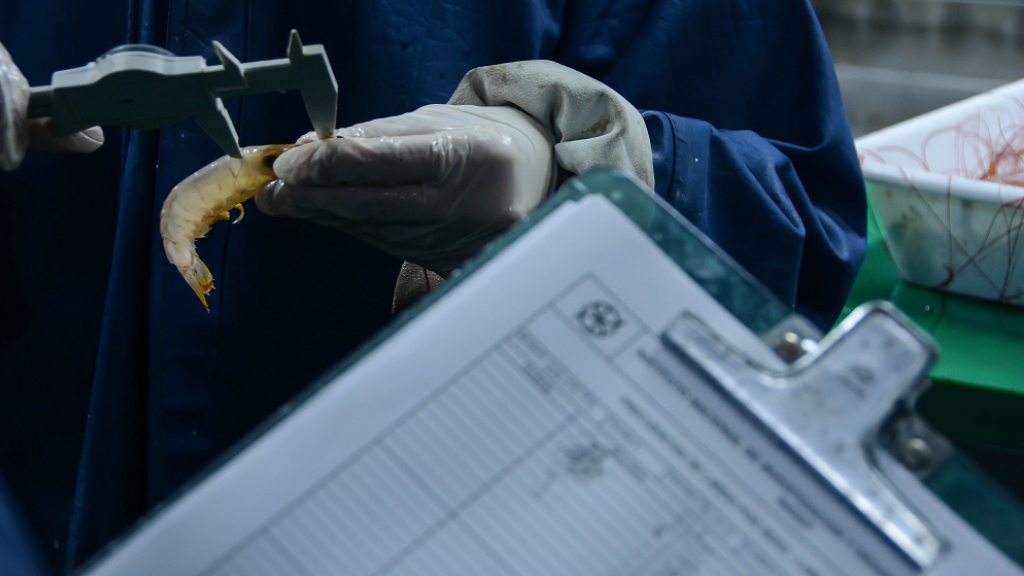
530	422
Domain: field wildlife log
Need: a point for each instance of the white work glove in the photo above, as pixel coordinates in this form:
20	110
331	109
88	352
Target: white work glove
17	133
435	185
431	186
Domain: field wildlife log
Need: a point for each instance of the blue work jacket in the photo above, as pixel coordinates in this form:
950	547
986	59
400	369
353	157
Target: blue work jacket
117	386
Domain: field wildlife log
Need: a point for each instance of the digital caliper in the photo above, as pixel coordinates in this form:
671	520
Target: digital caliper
144	87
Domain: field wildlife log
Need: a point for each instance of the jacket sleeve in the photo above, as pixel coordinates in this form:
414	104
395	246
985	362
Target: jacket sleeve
800	232
748	131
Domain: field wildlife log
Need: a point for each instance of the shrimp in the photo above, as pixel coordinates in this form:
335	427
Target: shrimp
207	197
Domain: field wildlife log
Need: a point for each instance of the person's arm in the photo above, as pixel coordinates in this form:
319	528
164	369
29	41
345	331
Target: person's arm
800	231
748	132
745	126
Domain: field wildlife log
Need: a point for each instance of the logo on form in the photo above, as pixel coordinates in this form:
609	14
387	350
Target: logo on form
599	318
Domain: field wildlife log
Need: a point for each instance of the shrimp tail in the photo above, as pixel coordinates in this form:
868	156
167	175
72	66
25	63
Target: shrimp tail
183	255
199	279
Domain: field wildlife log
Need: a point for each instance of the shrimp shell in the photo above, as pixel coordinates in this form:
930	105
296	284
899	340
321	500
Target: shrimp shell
207	197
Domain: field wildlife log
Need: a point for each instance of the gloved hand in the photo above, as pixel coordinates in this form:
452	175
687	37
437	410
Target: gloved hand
435	185
432	186
17	133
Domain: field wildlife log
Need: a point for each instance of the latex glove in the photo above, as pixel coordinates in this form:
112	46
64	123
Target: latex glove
432	186
17	133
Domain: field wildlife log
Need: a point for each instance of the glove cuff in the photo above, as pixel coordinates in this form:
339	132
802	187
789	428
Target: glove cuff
592	125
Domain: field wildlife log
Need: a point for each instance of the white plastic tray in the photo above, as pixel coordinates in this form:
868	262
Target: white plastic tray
946	188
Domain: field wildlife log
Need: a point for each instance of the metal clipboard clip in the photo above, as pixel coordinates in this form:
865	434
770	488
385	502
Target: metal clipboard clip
844	407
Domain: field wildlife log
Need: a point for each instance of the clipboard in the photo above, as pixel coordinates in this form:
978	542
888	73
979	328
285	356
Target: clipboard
603	391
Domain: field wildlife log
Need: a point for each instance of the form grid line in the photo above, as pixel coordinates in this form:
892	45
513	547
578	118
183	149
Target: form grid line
707	455
563	393
264	528
454	512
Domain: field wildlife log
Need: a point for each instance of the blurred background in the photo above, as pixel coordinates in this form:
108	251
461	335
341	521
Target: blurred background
896	59
899	58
